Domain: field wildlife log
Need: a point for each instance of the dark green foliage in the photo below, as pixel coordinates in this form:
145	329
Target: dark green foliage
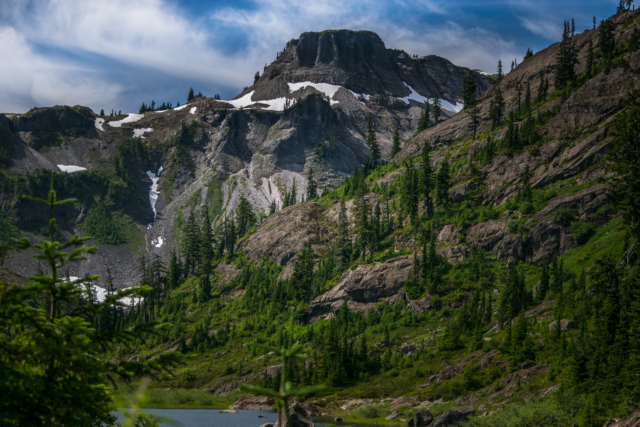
437	108
624	192
499	74
528	55
563	216
427	181
423	120
395	147
290	198
127	156
50	355
190	96
372	141
443	183
469	90
245	217
7	147
100	225
566	60
496	108
582	231
606	43
312	186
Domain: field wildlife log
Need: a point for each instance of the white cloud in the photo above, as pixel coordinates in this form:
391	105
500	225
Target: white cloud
543	27
28	79
153	37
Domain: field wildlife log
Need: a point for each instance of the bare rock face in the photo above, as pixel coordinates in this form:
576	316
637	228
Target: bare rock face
362	287
298	417
450	417
253	403
511	381
632	421
420	419
565	325
285	234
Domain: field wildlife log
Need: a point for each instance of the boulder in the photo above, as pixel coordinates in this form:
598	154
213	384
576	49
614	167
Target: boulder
450	417
402	402
382	344
298	417
337	419
420	419
253	403
565	325
408	348
228	411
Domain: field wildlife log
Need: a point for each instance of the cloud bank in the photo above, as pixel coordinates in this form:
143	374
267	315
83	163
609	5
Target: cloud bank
116	54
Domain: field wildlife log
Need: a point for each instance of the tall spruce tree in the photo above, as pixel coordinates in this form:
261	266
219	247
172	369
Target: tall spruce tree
437	108
443	183
372	141
312	187
426	178
191	243
566	59
499	74
395	147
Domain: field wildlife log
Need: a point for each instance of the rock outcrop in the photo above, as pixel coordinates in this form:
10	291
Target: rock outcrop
253	403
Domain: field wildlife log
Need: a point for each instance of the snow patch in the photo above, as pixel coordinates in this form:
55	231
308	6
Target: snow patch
139	133
242	102
180	107
98	124
193	110
423	99
158	243
129	119
153	192
484	73
71	168
326	88
161	111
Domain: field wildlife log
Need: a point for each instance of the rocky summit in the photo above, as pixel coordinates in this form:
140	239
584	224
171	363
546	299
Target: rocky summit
362	235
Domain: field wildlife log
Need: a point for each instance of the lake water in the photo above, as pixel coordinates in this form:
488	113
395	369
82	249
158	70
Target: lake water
212	418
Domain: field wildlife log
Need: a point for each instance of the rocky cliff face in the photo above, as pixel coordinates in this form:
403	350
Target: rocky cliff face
307	111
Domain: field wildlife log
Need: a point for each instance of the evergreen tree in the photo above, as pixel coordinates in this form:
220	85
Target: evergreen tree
528	55
342	243
191	243
272	208
566	59
474	119
245	217
496	108
443	183
190	97
437	108
426	178
423	121
372	141
395	148
500	75
312	187
606	43
102	112
256	77
469	90
173	273
527	98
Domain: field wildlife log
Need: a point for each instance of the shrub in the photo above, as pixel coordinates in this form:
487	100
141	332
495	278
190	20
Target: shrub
517	226
100	225
563	216
582	231
526	208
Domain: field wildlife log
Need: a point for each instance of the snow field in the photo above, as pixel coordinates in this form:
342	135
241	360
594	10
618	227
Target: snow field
71	168
98	124
139	133
129	119
193	110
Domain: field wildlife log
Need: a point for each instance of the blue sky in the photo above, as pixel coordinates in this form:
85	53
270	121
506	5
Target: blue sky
116	54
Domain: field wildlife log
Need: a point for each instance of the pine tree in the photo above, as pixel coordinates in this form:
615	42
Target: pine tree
192	242
341	242
312	187
474	119
469	90
426	178
372	141
606	43
190	97
527	98
395	148
437	108
173	273
272	208
496	108
528	55
500	75
423	121
245	217
566	59
102	112
443	183
256	77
